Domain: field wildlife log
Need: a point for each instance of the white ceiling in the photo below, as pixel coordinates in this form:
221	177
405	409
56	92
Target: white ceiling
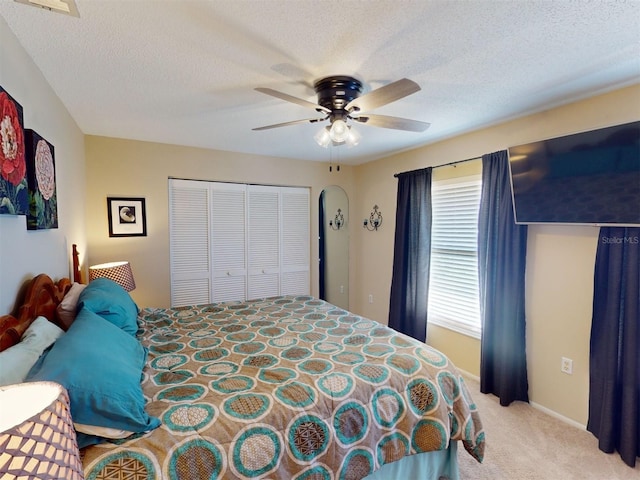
184	71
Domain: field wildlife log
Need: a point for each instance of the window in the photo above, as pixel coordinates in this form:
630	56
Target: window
453	284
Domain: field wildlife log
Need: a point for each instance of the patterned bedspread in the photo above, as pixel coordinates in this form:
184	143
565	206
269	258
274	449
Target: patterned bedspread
287	387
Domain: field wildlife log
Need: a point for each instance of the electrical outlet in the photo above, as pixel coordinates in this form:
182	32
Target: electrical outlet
370	298
566	366
341	288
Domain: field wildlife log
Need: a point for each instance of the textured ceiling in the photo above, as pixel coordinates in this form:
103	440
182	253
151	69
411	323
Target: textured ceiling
184	71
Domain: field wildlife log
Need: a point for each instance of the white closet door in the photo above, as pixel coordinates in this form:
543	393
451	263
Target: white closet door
189	242
228	242
233	242
263	225
295	243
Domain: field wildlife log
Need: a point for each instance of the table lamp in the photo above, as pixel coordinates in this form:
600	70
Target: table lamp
119	272
37	438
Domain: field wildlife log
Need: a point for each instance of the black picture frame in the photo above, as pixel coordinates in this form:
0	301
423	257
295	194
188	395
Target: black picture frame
127	217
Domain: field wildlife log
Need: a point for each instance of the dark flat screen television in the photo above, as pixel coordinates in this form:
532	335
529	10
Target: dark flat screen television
589	178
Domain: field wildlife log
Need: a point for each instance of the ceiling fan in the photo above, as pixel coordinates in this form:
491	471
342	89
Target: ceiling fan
340	100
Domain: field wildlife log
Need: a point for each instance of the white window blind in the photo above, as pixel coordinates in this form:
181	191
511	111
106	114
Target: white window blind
453	285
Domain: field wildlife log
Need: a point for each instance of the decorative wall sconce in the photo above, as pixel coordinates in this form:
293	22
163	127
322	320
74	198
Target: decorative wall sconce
338	222
374	220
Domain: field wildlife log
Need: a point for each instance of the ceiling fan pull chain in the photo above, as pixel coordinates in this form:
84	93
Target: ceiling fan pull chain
331	158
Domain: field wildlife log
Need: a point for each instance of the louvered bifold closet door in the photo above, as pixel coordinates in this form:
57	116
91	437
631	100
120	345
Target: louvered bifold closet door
189	242
228	241
264	241
294	278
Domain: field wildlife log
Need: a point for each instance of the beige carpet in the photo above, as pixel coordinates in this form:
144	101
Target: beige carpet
526	444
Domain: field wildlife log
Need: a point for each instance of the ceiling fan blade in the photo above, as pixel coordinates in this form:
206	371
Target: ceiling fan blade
286	124
396	123
292	99
384	95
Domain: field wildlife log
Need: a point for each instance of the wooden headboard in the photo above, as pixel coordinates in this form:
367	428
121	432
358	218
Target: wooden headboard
42	297
77	276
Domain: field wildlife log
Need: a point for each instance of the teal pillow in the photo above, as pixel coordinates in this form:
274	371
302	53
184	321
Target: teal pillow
109	300
101	368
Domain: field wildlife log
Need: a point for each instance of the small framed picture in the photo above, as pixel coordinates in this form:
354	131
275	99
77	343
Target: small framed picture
127	217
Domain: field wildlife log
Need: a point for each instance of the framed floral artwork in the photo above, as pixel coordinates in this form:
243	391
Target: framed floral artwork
41	179
127	217
14	199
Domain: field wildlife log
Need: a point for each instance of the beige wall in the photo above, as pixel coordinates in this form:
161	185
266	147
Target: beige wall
24	253
140	169
336	243
559	262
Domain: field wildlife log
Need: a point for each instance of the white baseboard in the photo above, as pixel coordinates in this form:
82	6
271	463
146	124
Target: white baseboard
535	405
562	418
464	373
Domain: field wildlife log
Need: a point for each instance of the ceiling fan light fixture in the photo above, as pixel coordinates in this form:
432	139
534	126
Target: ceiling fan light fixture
339	131
323	138
353	138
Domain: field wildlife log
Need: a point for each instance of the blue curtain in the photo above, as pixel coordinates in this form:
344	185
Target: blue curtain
321	247
502	250
411	255
614	366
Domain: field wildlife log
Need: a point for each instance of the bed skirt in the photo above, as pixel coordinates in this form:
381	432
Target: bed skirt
442	464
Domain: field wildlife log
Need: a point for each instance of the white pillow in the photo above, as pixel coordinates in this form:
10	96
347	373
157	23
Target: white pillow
67	308
16	361
104	432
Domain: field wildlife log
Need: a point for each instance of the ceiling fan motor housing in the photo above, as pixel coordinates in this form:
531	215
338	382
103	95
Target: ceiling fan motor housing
336	92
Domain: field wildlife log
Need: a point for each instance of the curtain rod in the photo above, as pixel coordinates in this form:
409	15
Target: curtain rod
438	166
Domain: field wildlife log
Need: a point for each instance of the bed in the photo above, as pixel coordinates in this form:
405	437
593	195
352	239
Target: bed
279	388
